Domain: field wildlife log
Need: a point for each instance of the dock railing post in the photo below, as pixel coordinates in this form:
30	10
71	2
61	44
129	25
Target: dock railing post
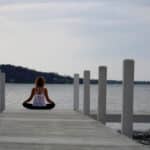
2	92
76	92
86	100
102	93
128	96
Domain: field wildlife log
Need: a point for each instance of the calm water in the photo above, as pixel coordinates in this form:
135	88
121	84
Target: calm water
63	96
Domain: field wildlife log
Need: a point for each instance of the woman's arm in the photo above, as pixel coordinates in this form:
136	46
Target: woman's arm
47	97
31	96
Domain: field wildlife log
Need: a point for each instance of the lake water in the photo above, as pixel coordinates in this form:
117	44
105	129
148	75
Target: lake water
62	94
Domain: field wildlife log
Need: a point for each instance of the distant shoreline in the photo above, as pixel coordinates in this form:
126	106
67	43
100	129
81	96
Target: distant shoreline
120	83
22	75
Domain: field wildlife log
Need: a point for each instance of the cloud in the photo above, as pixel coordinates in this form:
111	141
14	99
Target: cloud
54	6
70	36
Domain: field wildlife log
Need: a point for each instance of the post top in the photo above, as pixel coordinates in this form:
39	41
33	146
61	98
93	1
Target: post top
102	66
86	70
76	74
128	60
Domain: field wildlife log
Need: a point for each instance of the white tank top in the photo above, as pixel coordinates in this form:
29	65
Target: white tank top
39	99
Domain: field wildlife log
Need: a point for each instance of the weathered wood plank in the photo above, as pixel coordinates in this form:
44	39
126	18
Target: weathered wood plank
58	130
137	118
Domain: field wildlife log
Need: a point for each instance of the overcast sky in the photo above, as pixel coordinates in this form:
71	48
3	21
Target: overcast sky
69	36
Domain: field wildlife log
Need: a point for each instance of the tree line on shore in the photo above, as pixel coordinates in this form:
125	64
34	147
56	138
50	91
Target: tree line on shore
19	74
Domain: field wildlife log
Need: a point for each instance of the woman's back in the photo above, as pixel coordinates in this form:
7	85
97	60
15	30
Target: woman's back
39	97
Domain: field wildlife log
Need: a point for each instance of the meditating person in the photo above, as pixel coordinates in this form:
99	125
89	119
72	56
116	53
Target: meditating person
40	96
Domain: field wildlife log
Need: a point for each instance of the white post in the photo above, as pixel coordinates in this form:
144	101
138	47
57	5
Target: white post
102	92
76	92
2	92
86	101
128	96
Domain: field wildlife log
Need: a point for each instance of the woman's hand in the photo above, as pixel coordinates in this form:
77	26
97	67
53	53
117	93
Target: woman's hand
47	97
31	96
50	101
26	101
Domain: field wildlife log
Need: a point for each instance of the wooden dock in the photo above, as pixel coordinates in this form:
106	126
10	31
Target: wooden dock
58	130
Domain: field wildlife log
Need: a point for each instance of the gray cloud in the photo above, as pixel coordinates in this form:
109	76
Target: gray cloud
80	34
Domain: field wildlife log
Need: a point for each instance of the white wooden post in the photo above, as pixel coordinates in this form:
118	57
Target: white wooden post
2	92
128	96
102	92
76	92
86	101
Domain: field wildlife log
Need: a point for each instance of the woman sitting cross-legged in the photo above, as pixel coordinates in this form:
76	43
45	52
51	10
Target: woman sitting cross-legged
39	95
